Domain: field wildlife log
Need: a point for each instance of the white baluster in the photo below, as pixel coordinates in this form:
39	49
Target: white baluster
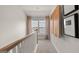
17	49
20	45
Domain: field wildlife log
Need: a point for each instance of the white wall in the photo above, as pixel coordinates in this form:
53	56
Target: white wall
12	24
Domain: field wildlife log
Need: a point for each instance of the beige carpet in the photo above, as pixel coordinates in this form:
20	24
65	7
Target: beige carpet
45	46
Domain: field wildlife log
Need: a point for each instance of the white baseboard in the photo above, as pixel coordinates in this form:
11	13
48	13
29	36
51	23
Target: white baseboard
36	47
51	39
55	46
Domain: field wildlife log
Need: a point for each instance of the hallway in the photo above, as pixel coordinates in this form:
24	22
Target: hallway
45	46
22	26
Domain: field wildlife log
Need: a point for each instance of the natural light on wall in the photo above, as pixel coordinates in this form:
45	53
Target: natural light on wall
21	28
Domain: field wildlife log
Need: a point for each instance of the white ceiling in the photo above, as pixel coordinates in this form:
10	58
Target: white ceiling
38	10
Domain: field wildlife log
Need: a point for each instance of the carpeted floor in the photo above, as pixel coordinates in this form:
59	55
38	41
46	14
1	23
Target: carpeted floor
45	46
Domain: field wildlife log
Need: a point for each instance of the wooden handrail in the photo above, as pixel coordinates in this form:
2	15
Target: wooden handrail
14	44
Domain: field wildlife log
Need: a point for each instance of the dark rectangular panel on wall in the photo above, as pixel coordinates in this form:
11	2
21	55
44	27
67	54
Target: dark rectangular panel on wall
71	26
76	25
70	8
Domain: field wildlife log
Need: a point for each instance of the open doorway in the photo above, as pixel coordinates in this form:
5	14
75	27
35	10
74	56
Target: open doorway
42	28
40	23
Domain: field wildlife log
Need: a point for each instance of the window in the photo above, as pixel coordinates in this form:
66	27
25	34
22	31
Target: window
34	24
